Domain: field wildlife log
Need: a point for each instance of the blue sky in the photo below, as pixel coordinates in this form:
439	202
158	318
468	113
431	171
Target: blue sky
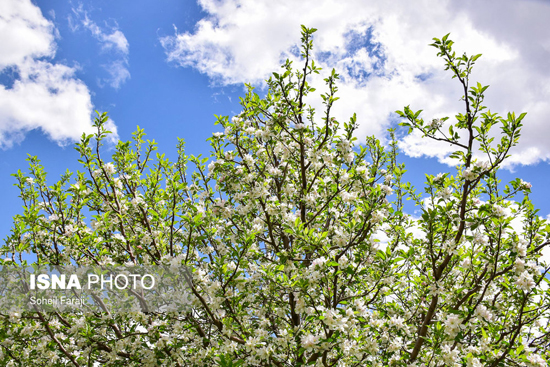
169	66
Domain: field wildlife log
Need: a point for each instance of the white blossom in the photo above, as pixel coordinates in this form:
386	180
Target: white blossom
525	281
109	168
435	123
484	313
309	341
469	174
499	211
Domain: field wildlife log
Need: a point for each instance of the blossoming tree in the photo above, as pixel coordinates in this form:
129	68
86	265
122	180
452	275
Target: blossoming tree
300	250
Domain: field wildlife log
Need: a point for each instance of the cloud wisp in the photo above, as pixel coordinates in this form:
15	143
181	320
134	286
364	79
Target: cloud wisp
381	51
112	41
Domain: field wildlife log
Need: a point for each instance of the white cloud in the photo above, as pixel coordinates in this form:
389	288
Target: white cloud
44	95
245	41
24	33
112	41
